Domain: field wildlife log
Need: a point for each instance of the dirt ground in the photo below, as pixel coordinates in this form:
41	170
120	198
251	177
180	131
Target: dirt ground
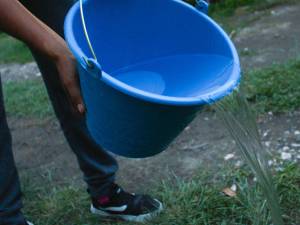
270	36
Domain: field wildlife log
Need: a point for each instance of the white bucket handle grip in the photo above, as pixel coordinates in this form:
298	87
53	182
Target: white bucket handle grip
86	32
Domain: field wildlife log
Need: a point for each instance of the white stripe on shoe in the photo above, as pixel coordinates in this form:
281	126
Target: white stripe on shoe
115	209
140	218
29	223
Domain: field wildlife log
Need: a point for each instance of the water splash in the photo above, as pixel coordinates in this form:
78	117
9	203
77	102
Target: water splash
240	121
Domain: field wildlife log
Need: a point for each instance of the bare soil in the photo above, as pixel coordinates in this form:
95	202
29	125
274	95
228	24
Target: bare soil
271	36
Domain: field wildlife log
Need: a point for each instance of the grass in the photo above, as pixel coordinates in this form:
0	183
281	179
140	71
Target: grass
13	51
196	202
276	88
27	98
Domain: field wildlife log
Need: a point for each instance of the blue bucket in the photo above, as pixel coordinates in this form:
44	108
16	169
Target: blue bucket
159	62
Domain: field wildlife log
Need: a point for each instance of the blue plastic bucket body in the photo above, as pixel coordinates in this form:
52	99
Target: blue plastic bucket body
147	90
130	127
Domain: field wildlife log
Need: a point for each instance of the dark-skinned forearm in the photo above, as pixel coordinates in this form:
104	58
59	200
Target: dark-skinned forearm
17	21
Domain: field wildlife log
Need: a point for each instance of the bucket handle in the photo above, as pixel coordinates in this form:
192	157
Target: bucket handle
92	63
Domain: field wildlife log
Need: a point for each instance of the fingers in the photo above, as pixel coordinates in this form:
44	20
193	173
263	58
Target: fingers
74	93
69	78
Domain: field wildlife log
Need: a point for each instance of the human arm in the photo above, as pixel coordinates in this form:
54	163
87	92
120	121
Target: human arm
17	21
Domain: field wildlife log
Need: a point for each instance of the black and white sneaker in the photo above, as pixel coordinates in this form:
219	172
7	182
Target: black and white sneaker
28	223
129	207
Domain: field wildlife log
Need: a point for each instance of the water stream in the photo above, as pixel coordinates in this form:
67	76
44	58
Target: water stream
240	121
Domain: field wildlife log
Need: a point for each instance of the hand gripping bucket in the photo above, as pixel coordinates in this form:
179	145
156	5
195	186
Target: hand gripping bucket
146	68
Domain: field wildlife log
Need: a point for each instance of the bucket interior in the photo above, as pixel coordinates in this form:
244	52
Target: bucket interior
163	47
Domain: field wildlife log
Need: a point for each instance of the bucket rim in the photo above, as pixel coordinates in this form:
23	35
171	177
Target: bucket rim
208	98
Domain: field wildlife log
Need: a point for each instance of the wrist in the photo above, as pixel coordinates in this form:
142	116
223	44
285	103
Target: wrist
56	48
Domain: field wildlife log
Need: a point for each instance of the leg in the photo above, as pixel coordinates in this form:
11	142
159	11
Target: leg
10	192
98	166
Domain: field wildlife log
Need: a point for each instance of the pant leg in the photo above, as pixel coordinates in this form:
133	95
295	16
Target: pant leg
98	166
10	192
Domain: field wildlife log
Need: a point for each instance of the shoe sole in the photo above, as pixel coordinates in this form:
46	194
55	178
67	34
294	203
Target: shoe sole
29	223
140	219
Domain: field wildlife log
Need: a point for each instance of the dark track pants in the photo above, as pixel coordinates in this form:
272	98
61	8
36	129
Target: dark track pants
98	166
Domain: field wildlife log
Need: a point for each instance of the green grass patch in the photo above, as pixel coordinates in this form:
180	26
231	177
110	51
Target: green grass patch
27	98
228	7
199	201
276	88
13	51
